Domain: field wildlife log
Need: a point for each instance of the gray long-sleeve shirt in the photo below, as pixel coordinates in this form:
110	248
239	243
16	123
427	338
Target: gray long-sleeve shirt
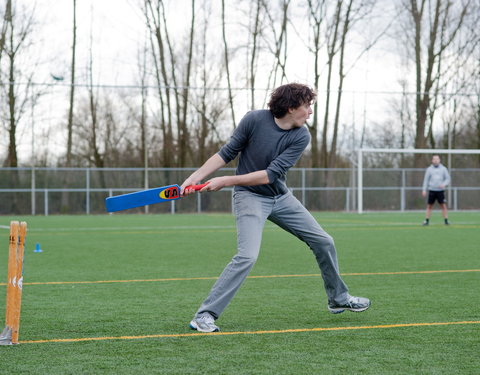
434	177
263	145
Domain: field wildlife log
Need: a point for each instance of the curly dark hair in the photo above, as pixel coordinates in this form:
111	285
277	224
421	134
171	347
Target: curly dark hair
290	96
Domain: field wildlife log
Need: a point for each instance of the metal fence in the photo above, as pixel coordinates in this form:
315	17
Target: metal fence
48	191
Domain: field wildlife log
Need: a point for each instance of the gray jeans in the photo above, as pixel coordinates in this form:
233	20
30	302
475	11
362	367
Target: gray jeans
251	211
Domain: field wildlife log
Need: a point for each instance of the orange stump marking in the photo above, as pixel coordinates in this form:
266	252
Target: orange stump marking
16	252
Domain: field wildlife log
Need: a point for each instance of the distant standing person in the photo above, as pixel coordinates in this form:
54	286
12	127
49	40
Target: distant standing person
435	181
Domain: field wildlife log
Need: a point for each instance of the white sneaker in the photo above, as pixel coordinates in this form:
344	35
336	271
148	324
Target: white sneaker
204	323
356	304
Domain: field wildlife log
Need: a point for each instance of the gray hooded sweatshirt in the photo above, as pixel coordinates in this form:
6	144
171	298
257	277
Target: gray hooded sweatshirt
434	177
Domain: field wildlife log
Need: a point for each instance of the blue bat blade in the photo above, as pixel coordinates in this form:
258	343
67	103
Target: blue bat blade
142	198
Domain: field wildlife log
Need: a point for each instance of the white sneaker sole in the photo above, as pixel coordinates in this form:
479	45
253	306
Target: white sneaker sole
342	309
193	325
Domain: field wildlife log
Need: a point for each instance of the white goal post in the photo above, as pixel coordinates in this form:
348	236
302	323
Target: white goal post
361	151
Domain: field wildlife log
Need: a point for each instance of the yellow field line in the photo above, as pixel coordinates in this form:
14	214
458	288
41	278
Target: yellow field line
300	330
406	272
119	281
361	274
272	229
249	277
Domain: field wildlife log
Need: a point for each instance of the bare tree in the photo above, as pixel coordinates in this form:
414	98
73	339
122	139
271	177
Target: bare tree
253	47
276	41
475	101
317	15
15	41
72	87
227	65
143	113
183	135
203	128
354	12
18	29
341	78
331	27
154	20
3	31
434	27
208	106
95	156
66	178
461	101
332	38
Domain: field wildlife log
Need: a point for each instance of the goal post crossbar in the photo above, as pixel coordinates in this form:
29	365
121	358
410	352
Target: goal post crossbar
419	151
361	151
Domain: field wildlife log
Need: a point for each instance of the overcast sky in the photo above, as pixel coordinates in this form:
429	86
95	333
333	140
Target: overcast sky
118	31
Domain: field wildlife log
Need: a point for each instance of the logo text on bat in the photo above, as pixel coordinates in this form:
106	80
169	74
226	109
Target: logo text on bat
170	193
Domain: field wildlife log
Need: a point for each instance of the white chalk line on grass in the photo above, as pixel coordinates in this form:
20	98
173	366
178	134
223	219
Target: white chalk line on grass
251	333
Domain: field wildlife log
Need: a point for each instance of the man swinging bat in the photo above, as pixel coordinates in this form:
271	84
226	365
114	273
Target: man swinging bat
269	142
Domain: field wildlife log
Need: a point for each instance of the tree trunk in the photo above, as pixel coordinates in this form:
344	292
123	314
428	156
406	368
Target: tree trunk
341	77
332	50
12	159
227	67
280	44
68	163
72	88
317	17
184	148
3	32
441	34
253	58
174	150
168	151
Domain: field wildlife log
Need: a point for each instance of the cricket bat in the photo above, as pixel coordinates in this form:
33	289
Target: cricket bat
146	197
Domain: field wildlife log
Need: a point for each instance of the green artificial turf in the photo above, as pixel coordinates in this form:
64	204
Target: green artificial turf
121	275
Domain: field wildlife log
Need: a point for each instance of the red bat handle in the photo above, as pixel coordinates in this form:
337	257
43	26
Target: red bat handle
196	187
